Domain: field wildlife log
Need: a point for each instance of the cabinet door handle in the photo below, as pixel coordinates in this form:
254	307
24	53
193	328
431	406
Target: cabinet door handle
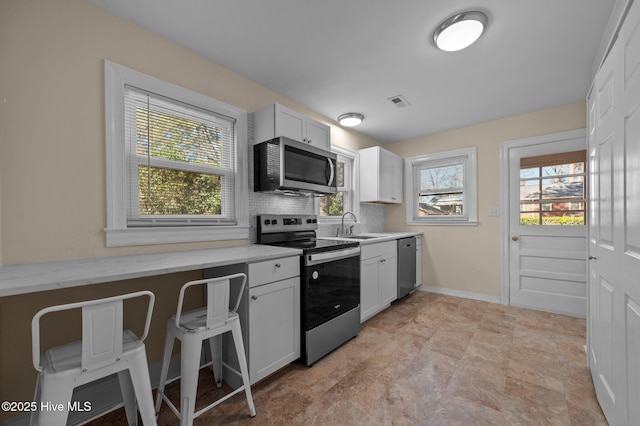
254	297
278	265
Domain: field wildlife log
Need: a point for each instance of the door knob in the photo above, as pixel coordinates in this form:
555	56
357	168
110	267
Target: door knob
515	237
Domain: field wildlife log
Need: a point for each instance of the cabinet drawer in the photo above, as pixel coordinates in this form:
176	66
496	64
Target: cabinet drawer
273	270
388	248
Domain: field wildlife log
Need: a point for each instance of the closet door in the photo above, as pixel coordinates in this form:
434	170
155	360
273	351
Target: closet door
614	243
627	232
602	274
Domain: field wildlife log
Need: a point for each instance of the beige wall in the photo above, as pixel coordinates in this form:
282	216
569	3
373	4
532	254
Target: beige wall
52	154
52	131
467	258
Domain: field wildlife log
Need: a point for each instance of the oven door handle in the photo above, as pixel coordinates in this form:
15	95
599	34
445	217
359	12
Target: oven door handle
329	256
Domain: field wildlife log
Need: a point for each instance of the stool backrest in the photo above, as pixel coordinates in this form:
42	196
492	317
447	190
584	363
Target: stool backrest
102	324
217	302
218	295
101	334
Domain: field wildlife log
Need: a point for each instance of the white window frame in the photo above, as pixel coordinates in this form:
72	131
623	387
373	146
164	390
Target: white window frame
466	156
355	204
117	232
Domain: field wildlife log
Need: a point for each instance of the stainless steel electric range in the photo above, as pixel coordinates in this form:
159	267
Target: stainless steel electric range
330	282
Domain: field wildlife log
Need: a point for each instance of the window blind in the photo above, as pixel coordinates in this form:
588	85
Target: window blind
181	161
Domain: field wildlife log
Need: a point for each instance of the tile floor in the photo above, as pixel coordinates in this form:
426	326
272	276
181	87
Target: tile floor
427	360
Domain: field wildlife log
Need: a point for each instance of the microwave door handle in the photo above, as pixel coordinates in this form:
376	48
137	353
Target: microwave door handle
331	166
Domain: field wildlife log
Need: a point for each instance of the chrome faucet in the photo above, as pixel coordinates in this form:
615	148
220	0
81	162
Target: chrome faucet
341	231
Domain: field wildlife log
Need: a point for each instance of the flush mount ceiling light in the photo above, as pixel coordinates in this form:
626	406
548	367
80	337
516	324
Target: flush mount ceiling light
459	31
350	119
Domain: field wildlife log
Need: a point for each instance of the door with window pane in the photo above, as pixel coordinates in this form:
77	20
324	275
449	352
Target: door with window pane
547	230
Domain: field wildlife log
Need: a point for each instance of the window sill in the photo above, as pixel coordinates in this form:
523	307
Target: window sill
170	235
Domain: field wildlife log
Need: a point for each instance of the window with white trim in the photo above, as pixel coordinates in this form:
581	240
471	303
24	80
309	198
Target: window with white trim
441	188
552	190
335	205
175	162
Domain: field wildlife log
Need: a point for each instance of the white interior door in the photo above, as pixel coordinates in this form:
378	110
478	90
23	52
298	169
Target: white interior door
546	230
614	229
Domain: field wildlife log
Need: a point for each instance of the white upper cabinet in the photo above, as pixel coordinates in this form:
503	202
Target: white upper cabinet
380	176
276	120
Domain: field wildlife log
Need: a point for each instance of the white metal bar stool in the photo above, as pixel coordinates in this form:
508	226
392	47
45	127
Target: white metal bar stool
194	327
105	349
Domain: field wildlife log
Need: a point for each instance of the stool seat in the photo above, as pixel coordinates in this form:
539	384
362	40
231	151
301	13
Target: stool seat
68	358
196	320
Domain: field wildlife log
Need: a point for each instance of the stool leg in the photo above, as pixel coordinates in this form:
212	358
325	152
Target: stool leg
128	397
139	371
215	344
242	360
55	396
189	368
166	360
35	415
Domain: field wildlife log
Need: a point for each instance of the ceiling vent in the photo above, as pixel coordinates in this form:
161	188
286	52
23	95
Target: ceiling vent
399	101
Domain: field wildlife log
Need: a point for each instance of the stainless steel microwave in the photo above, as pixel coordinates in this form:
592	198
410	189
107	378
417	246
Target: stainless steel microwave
286	165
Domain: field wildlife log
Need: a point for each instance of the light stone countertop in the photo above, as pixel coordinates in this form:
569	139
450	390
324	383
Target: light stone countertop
379	237
34	277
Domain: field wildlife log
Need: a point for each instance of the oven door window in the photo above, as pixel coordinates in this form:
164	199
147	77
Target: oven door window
331	289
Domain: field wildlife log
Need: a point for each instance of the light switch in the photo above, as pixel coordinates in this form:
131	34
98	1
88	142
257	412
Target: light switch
494	211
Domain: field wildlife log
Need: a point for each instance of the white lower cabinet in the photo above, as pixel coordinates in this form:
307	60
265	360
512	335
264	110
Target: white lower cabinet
378	277
269	314
369	287
273	315
274	324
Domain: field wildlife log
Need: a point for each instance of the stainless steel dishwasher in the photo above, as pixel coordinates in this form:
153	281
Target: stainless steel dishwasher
406	266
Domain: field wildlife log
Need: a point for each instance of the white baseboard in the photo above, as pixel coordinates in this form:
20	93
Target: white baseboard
458	293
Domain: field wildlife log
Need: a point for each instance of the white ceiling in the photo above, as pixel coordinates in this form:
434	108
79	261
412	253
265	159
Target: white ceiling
337	56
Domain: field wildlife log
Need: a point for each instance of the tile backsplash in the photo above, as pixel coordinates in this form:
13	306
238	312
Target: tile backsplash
370	219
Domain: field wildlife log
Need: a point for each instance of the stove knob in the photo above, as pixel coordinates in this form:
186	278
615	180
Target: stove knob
267	222
315	220
309	221
274	222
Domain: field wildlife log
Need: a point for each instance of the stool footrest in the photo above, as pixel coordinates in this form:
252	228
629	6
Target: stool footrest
220	401
169	403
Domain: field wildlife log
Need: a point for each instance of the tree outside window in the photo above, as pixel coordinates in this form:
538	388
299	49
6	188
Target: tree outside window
552	189
335	205
441	188
183	159
176	163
